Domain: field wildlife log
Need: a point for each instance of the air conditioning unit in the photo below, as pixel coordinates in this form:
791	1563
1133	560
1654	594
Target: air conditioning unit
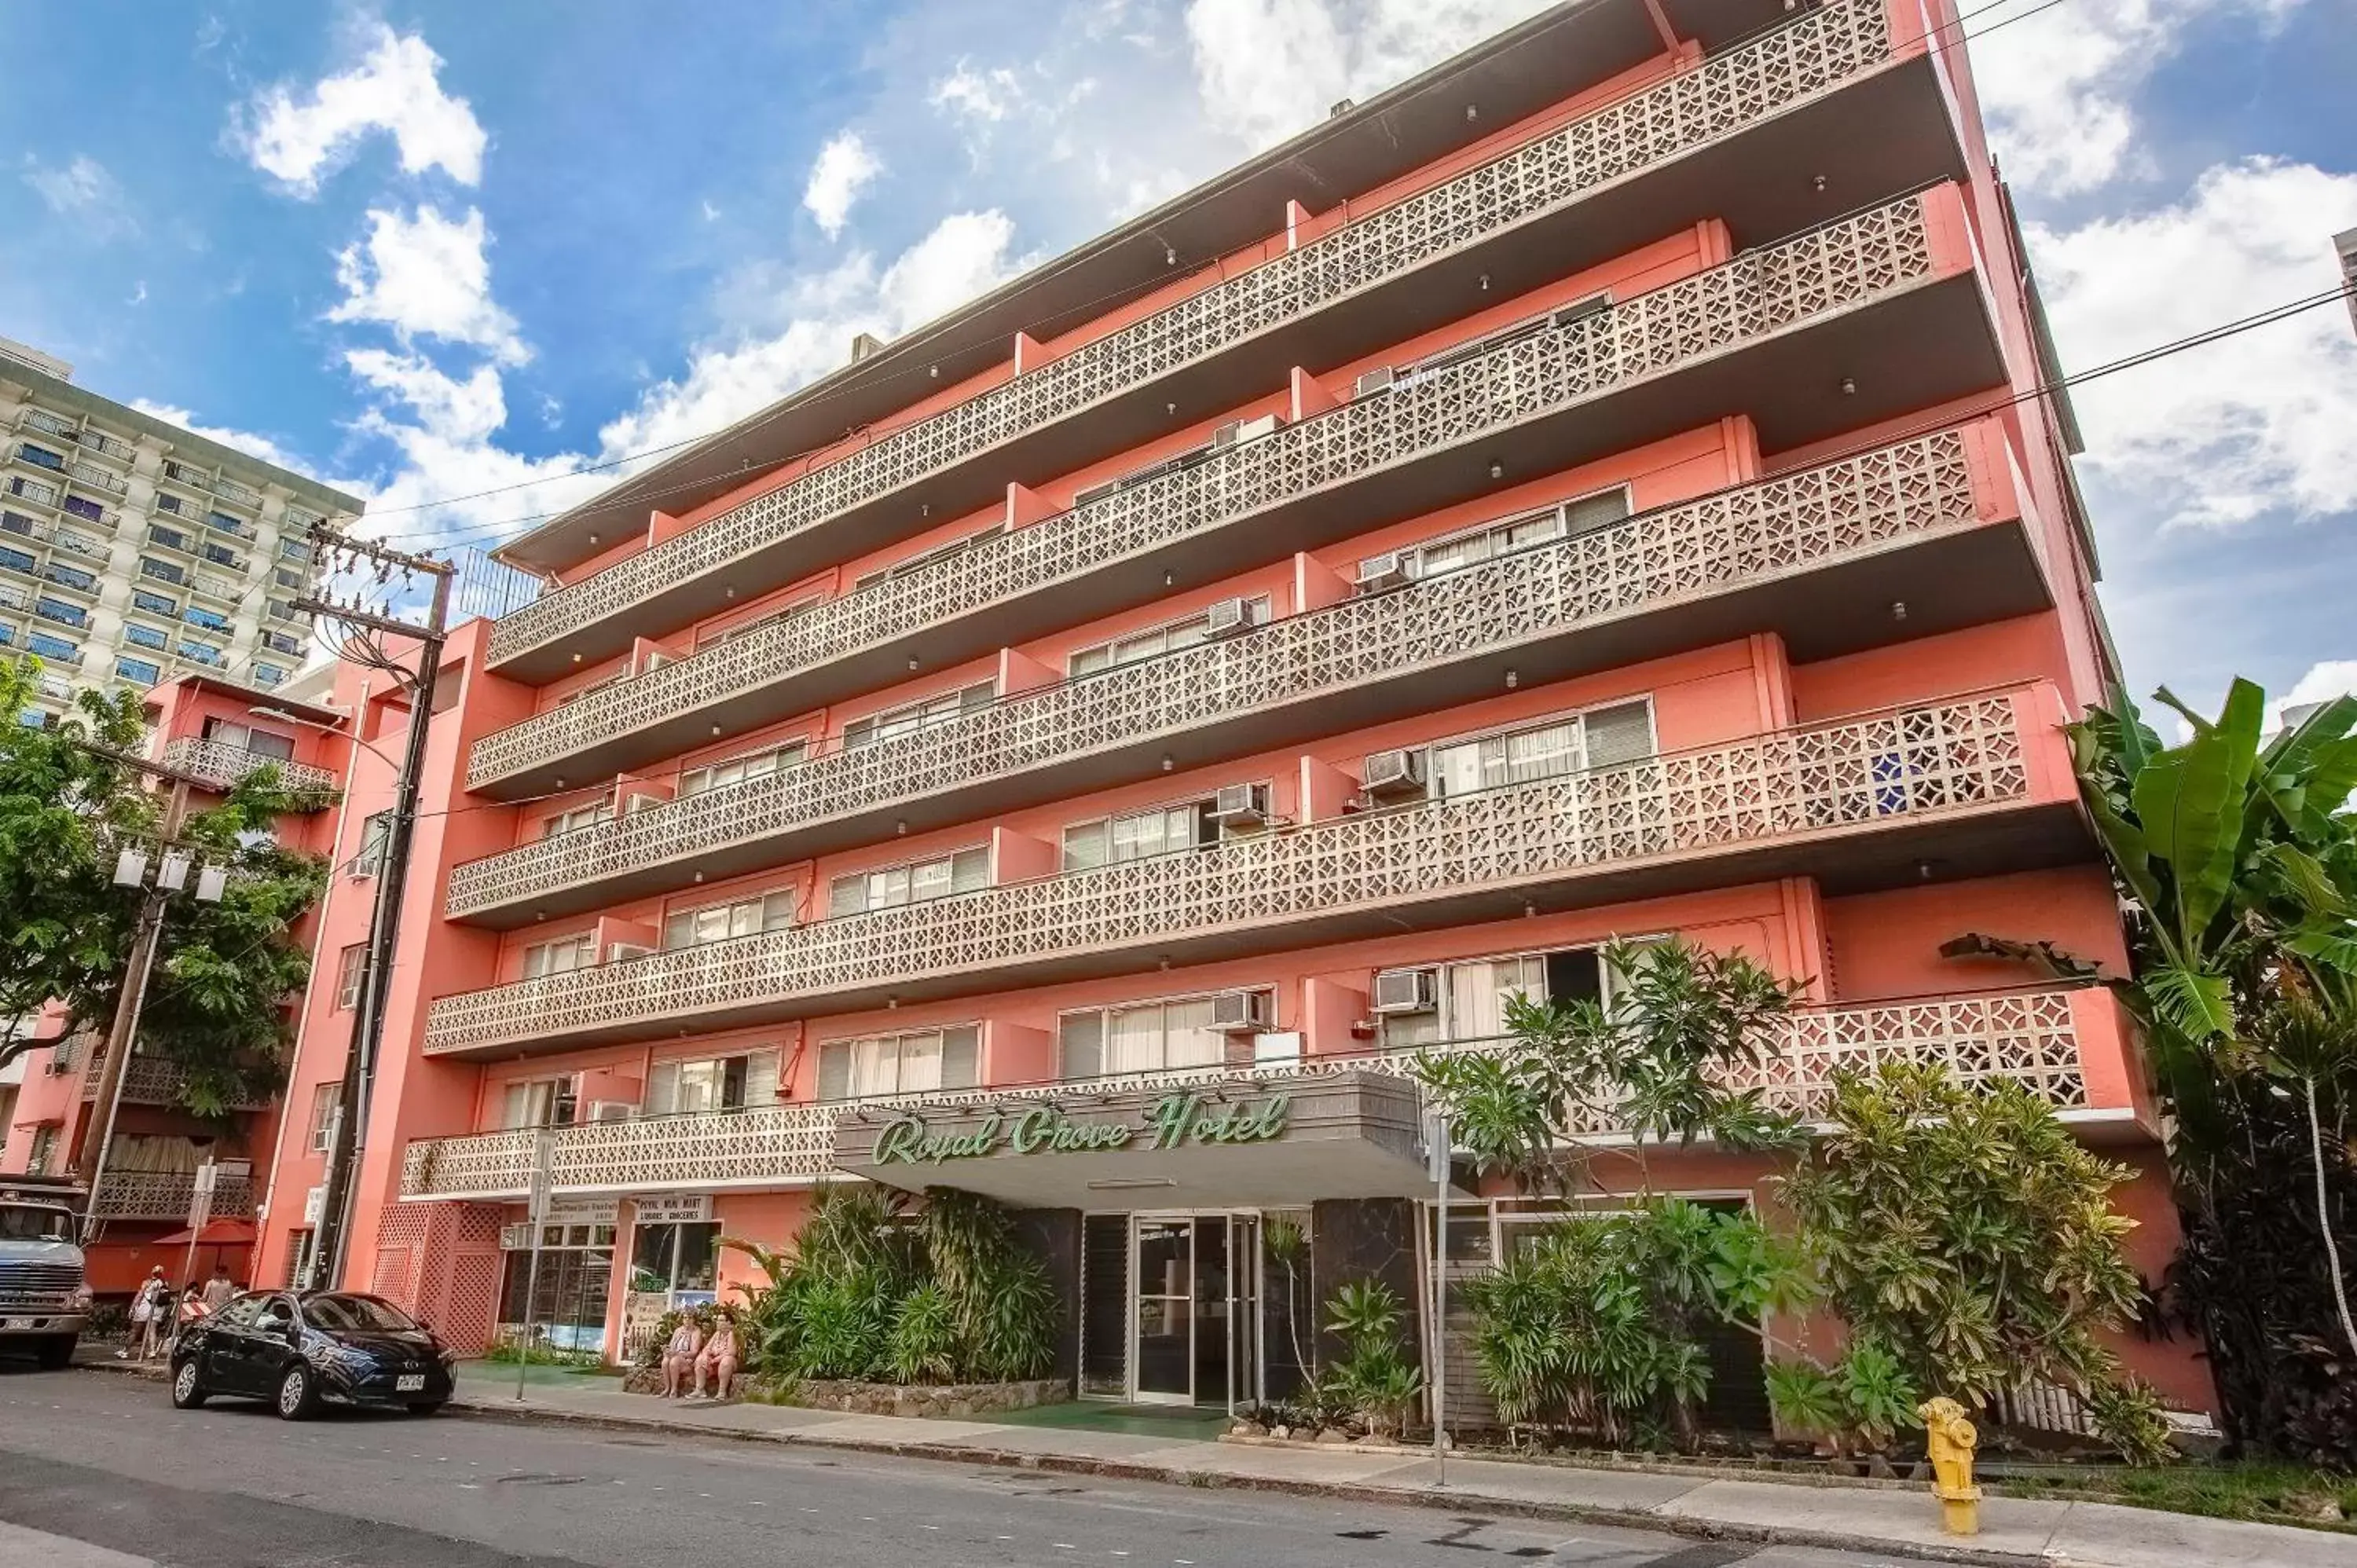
1236	433
1394	775
609	1111
1372	382
1380	574
1405	991
515	1237
1240	806
1228	618
1240	1012
623	952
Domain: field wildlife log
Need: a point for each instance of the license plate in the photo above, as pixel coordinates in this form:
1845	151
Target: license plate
410	1383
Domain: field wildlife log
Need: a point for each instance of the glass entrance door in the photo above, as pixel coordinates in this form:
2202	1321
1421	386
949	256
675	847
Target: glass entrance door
1196	1310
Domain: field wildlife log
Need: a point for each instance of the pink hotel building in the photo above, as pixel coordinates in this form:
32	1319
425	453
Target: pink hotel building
1596	487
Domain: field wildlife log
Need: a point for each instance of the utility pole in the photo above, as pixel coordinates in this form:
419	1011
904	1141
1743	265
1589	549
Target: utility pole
350	1135
89	1162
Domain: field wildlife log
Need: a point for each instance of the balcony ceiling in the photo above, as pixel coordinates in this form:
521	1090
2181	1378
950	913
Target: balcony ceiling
1508	78
1901	853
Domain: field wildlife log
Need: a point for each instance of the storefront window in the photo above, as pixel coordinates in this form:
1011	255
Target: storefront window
566	1310
675	1257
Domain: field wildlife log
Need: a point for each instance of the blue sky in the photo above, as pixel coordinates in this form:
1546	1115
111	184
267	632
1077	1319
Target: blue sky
432	249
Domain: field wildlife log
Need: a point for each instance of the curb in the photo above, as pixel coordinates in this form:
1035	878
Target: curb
1346	1491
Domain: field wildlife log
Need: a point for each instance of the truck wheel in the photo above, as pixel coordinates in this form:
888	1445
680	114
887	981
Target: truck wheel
57	1352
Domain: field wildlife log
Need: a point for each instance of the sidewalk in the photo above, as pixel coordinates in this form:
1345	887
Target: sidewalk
1890	1519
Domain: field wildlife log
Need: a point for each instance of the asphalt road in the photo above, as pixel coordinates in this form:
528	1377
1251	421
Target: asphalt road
99	1471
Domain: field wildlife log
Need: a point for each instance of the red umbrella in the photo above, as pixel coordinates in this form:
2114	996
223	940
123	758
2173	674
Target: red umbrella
216	1233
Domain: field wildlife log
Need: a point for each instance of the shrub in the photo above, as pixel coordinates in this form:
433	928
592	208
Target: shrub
1374	1379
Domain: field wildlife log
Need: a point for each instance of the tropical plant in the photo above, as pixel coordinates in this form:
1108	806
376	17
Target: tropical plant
1969	1243
1286	1243
2240	867
1375	1378
1650	1062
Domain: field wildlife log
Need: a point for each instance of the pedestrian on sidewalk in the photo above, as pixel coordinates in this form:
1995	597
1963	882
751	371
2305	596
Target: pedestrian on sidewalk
679	1355
719	1356
220	1290
151	1313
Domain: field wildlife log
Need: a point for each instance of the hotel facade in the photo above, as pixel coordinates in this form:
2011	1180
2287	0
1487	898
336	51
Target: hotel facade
1597	488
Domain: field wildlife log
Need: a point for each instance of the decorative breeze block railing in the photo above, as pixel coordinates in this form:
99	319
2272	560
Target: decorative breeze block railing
167	1195
225	764
1904	763
1716	98
1795	521
2028	1037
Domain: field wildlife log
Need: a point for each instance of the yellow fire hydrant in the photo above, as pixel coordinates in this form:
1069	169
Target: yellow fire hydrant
1951	1441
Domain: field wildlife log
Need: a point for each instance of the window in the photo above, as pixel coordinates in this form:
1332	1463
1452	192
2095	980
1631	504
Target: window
138	671
562	956
144	636
57	648
59	611
154	604
1161	639
41	457
162	571
1601	738
44	1149
1492	540
713	1083
918	562
169	538
16	559
537	1103
738	769
69	576
83	506
201	652
281	643
222	554
719	923
671	1257
962	872
1473	994
351	975
899	1064
916	715
587	816
245	737
268	674
211	621
369	858
286	578
324	1099
294	549
1134	836
1151	1036
227	524
167	502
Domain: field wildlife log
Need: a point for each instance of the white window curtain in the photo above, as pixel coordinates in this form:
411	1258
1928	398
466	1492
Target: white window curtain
1188	1039
1134	1040
1477	993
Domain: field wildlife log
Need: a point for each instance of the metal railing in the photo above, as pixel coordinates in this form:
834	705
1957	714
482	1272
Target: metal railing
1760	292
91	474
1793	784
169	1195
1794	523
224	765
1716	98
2025	1036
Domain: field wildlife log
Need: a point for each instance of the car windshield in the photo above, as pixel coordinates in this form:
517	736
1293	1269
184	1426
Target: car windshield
28	1222
361	1314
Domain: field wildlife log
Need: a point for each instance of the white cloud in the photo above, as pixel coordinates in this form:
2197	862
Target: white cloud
245	440
2252	425
2059	88
83	188
982	97
395	88
1269	69
426	275
455	411
844	168
2323	681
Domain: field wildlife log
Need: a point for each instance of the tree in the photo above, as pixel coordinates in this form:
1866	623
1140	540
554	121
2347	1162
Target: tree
1968	1240
216	1001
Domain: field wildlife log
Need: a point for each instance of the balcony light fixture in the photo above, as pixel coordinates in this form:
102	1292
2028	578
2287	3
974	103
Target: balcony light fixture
1513	678
1168	762
1485	282
900	828
925	509
1170	255
1170	408
577	658
1899	609
730	591
1497	470
715	732
1471	112
1819	182
540	914
593	538
1849	387
912	663
934	371
699	877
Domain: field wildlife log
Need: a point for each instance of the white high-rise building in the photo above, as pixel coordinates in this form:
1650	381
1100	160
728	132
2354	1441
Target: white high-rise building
131	549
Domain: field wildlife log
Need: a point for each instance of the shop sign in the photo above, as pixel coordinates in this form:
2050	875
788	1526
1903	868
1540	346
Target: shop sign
1174	1121
582	1212
674	1209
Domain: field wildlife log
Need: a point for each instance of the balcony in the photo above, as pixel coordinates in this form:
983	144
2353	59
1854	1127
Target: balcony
1726	138
168	1196
215	587
98	478
1885	304
223	766
2070	1045
1964	787
149	1080
1818	555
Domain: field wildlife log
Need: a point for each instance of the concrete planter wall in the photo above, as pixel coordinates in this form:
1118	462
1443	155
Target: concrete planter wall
952	1400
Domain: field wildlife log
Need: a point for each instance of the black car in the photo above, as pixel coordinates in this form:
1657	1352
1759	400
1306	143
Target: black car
300	1348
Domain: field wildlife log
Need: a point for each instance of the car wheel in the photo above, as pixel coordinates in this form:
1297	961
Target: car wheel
426	1408
187	1393
298	1394
56	1352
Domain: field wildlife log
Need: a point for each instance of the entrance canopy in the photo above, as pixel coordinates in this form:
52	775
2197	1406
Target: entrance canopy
1240	1144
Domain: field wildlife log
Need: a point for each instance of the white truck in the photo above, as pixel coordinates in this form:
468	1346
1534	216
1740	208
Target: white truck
44	1294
